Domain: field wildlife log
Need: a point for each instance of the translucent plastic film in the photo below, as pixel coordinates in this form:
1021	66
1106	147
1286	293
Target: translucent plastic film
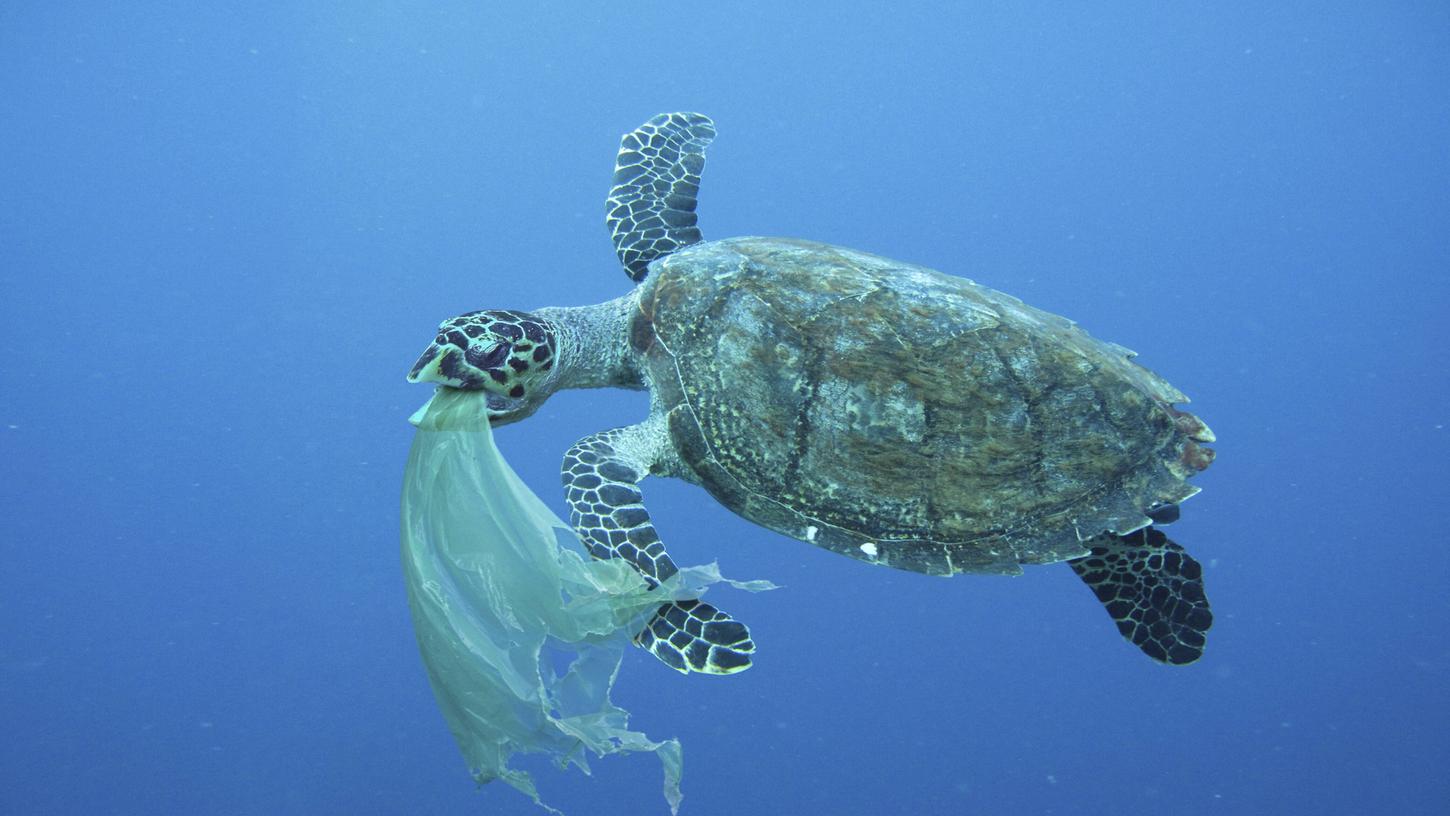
521	632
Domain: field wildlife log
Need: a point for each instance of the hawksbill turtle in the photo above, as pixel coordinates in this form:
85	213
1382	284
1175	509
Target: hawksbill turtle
881	410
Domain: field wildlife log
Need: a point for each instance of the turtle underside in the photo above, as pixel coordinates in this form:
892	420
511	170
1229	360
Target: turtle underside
902	416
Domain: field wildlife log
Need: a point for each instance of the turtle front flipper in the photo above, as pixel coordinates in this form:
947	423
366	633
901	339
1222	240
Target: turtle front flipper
695	636
1153	590
650	211
601	475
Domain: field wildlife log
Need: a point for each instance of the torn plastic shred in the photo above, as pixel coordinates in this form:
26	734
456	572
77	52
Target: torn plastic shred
521	632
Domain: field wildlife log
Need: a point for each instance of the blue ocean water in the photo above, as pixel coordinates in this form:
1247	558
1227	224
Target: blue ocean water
227	231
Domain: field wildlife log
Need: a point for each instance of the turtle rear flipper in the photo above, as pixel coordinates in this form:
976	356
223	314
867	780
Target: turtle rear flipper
601	475
695	636
1153	590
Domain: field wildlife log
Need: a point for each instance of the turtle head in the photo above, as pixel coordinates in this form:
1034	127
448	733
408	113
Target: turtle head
508	354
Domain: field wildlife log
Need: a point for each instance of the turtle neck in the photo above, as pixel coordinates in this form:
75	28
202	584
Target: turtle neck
594	344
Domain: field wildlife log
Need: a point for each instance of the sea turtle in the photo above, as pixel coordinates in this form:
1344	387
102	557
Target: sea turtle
878	409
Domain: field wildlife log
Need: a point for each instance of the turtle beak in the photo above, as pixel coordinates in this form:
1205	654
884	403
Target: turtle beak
426	369
506	410
444	364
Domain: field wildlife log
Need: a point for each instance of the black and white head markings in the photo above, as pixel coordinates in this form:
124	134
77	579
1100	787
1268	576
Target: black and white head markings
509	354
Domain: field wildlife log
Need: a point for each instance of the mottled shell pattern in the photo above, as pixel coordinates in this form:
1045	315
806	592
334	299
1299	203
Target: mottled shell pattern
902	416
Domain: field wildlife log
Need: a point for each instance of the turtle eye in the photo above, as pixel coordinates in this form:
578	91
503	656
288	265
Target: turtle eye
487	358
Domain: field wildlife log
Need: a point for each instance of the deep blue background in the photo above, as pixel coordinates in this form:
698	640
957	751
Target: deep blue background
225	234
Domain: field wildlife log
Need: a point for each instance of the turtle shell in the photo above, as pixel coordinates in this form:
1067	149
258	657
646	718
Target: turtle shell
900	415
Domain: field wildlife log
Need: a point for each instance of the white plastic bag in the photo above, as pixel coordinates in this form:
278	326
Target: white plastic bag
502	592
